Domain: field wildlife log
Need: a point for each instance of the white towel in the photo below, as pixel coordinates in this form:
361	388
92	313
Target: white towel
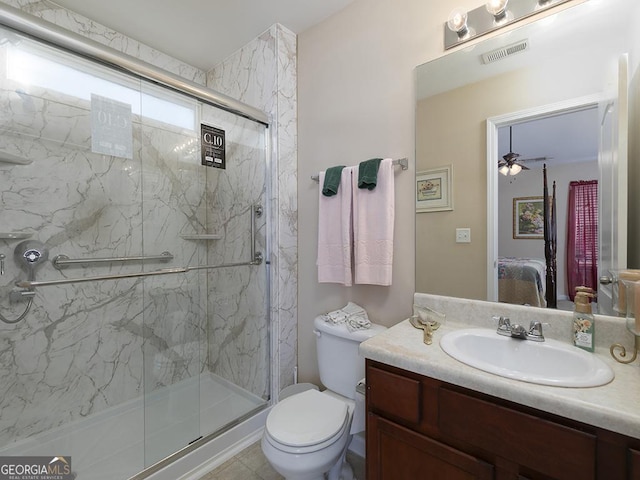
373	219
335	233
353	315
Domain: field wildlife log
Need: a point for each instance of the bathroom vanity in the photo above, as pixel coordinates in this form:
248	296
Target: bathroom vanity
431	416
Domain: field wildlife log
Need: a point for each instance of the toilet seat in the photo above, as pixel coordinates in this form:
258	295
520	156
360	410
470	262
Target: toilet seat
306	419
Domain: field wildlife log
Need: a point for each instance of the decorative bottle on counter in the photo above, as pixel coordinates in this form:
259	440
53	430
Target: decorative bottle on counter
584	325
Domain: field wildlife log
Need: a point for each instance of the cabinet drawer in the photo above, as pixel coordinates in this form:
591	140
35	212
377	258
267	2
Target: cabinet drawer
394	395
549	448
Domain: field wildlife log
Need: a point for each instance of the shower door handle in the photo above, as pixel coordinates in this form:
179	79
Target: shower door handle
256	212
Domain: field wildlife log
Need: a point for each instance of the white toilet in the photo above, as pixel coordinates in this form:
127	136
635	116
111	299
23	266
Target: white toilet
307	434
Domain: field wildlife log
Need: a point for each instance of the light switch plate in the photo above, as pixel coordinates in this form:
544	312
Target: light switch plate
463	235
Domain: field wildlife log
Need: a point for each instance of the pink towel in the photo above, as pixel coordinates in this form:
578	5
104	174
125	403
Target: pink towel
373	218
335	232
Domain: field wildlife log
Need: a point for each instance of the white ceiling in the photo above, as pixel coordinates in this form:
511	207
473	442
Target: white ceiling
564	138
202	32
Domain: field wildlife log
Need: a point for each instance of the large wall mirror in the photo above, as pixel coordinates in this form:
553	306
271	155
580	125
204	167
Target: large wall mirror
560	92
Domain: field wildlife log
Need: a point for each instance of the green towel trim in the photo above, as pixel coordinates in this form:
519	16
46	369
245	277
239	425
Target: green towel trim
332	181
368	173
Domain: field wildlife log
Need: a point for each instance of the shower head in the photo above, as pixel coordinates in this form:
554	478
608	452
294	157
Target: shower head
29	255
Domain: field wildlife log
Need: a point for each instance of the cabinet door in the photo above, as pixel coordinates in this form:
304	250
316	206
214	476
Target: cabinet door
397	453
634	464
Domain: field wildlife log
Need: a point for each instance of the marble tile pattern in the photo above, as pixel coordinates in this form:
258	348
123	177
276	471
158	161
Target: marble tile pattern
87	347
238	333
90	346
612	406
263	74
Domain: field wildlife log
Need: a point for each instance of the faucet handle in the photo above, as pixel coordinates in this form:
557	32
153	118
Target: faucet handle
504	325
535	331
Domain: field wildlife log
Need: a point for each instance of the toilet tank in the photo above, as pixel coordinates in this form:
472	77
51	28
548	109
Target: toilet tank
340	365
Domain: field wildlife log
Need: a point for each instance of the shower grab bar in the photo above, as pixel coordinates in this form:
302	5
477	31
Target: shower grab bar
62	261
164	271
256	259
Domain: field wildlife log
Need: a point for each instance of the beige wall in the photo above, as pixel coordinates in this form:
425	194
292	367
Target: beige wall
356	101
356	85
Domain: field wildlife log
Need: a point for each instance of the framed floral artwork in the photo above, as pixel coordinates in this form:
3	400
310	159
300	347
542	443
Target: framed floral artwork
433	190
528	217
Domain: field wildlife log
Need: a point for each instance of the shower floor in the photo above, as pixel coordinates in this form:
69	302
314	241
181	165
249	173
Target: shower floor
109	445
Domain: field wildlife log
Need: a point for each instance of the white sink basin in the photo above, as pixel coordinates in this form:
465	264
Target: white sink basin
545	363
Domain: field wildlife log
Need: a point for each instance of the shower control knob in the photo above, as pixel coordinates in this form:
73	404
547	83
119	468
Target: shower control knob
32	255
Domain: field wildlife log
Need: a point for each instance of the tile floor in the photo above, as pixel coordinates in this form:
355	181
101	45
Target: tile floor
250	464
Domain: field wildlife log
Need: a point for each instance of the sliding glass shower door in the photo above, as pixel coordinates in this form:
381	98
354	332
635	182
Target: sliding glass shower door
207	344
147	325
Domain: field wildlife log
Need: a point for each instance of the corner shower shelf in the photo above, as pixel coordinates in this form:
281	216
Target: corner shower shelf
14	235
203	236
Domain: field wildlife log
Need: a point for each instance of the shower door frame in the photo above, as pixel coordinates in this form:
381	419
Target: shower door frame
47	32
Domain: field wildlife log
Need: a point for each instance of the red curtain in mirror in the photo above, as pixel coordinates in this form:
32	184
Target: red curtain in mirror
582	236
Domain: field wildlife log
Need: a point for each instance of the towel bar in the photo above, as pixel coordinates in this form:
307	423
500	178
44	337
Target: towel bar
403	162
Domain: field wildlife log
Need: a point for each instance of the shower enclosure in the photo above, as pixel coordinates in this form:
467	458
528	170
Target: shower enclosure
145	326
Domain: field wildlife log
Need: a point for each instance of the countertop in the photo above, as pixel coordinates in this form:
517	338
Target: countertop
614	407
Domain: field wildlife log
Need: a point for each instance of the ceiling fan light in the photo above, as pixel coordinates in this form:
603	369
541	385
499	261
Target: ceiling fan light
515	169
504	170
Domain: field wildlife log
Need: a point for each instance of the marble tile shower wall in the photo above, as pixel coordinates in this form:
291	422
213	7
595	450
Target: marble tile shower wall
82	352
263	74
237	300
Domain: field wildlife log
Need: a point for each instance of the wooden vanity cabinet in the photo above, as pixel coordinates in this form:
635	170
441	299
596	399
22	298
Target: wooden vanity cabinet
421	428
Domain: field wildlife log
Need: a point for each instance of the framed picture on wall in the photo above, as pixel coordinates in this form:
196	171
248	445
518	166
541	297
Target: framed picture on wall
433	190
528	218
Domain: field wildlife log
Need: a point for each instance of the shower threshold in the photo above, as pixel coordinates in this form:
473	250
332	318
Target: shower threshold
109	445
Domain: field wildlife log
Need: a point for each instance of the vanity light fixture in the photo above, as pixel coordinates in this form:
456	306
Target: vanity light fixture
463	25
497	8
457	22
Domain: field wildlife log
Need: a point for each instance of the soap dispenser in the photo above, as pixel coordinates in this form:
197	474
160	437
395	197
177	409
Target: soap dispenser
584	325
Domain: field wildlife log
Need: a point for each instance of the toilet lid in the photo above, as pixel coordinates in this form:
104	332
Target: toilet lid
306	418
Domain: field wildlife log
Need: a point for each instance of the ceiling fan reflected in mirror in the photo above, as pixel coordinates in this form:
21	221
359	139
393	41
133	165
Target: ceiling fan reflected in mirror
509	164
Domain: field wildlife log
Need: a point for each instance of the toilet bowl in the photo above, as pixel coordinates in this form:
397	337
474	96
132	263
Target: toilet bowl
307	434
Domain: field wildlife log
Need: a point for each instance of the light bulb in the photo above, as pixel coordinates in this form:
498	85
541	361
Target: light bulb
457	21
515	169
496	7
504	170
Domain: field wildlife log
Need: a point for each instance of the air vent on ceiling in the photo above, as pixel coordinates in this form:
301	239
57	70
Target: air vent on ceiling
505	52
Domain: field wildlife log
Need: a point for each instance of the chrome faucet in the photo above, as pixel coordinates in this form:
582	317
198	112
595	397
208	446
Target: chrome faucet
506	328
